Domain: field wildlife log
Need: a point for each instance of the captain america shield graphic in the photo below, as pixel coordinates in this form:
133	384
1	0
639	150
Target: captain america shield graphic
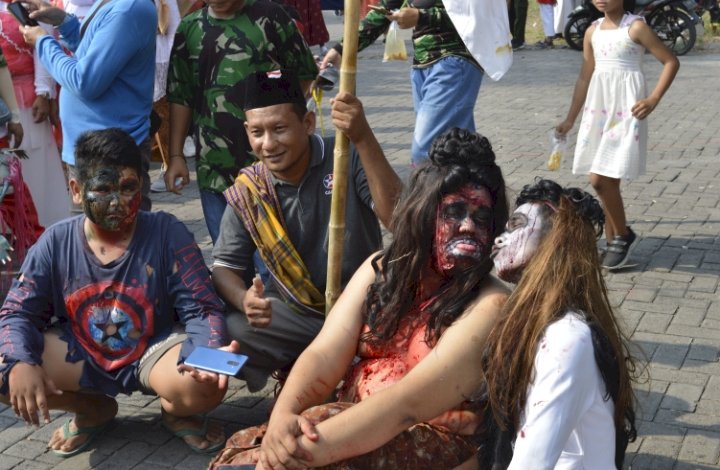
113	322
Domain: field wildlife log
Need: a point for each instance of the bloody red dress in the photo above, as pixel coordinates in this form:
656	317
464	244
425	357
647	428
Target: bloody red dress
444	442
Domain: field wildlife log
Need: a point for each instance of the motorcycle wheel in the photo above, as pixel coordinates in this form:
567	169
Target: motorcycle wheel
575	30
675	29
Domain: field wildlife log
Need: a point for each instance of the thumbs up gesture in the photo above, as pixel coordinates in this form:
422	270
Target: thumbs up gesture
257	308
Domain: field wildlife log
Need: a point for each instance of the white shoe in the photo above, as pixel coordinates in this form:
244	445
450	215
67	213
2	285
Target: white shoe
158	186
189	147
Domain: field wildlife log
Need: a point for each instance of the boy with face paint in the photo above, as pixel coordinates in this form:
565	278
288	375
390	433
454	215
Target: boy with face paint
111	199
567	400
115	278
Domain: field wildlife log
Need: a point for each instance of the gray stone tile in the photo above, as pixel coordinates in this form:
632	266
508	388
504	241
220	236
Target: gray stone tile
701	447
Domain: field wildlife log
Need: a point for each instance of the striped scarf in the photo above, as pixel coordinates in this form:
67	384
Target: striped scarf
253	196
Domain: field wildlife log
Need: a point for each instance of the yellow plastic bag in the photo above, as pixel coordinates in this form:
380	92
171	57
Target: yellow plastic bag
558	145
394	44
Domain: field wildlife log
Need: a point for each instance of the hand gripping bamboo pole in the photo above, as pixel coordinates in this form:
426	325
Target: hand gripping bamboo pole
348	72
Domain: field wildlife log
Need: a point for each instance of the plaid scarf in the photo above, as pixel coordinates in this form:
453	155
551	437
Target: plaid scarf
253	196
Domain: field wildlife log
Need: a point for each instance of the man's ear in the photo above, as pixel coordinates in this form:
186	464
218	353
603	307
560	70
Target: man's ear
75	191
309	122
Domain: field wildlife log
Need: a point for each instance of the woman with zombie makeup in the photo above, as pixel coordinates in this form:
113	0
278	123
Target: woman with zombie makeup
417	315
557	366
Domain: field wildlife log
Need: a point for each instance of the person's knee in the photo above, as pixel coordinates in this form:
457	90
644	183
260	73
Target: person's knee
598	183
604	186
192	397
206	396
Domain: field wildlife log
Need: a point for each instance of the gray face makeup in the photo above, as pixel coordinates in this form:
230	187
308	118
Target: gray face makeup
515	247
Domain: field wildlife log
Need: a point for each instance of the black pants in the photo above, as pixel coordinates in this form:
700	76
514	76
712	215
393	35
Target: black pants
517	14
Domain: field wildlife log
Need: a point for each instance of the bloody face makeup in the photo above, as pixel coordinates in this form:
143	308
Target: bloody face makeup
463	229
111	198
515	247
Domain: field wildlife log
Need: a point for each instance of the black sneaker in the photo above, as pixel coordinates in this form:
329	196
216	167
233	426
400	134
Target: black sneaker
618	251
517	45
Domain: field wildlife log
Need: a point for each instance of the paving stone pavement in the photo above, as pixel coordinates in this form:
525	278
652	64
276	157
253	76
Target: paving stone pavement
668	301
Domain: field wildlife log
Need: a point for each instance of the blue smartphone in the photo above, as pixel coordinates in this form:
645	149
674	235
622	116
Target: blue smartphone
216	360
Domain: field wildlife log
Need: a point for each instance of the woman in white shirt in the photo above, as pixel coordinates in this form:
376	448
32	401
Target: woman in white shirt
557	366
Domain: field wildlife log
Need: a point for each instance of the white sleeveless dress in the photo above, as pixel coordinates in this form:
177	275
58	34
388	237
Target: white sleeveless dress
611	142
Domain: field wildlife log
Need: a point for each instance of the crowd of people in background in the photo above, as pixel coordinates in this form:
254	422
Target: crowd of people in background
114	299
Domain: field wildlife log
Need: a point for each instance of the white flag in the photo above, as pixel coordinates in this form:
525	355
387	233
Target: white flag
484	28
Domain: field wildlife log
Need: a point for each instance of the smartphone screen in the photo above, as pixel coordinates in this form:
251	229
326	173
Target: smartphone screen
21	14
215	360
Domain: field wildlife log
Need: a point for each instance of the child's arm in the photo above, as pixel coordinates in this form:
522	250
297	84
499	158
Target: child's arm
581	86
642	34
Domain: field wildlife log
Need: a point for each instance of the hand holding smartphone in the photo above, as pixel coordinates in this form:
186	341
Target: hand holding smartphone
216	360
21	14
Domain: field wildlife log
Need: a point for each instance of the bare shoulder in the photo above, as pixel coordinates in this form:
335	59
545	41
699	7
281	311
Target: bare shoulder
591	29
494	290
367	268
587	39
491	299
638	29
470	331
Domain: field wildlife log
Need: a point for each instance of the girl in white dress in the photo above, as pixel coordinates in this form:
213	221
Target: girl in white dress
557	368
612	139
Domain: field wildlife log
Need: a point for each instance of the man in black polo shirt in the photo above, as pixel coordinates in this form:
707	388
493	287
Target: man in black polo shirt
281	208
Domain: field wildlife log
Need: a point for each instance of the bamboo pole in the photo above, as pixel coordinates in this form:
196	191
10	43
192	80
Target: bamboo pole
348	72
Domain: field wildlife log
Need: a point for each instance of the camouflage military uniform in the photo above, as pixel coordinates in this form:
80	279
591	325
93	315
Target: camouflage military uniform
434	37
210	60
445	77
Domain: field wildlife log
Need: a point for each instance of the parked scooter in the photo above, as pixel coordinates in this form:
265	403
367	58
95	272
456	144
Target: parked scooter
672	20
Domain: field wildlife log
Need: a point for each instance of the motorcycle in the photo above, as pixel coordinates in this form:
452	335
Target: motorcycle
711	6
673	21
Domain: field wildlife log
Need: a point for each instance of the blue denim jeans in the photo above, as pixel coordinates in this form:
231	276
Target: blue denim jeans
213	206
444	96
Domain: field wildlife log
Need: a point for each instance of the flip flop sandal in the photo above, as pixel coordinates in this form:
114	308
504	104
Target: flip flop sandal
91	431
196	432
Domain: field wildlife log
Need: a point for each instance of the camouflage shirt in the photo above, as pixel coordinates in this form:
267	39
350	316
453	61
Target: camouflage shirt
210	61
434	36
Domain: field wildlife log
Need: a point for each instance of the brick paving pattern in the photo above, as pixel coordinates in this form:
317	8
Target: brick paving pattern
668	301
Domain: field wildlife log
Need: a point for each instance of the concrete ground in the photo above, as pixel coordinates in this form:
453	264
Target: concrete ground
668	301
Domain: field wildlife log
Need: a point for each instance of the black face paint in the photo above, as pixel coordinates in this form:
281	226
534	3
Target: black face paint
103	196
